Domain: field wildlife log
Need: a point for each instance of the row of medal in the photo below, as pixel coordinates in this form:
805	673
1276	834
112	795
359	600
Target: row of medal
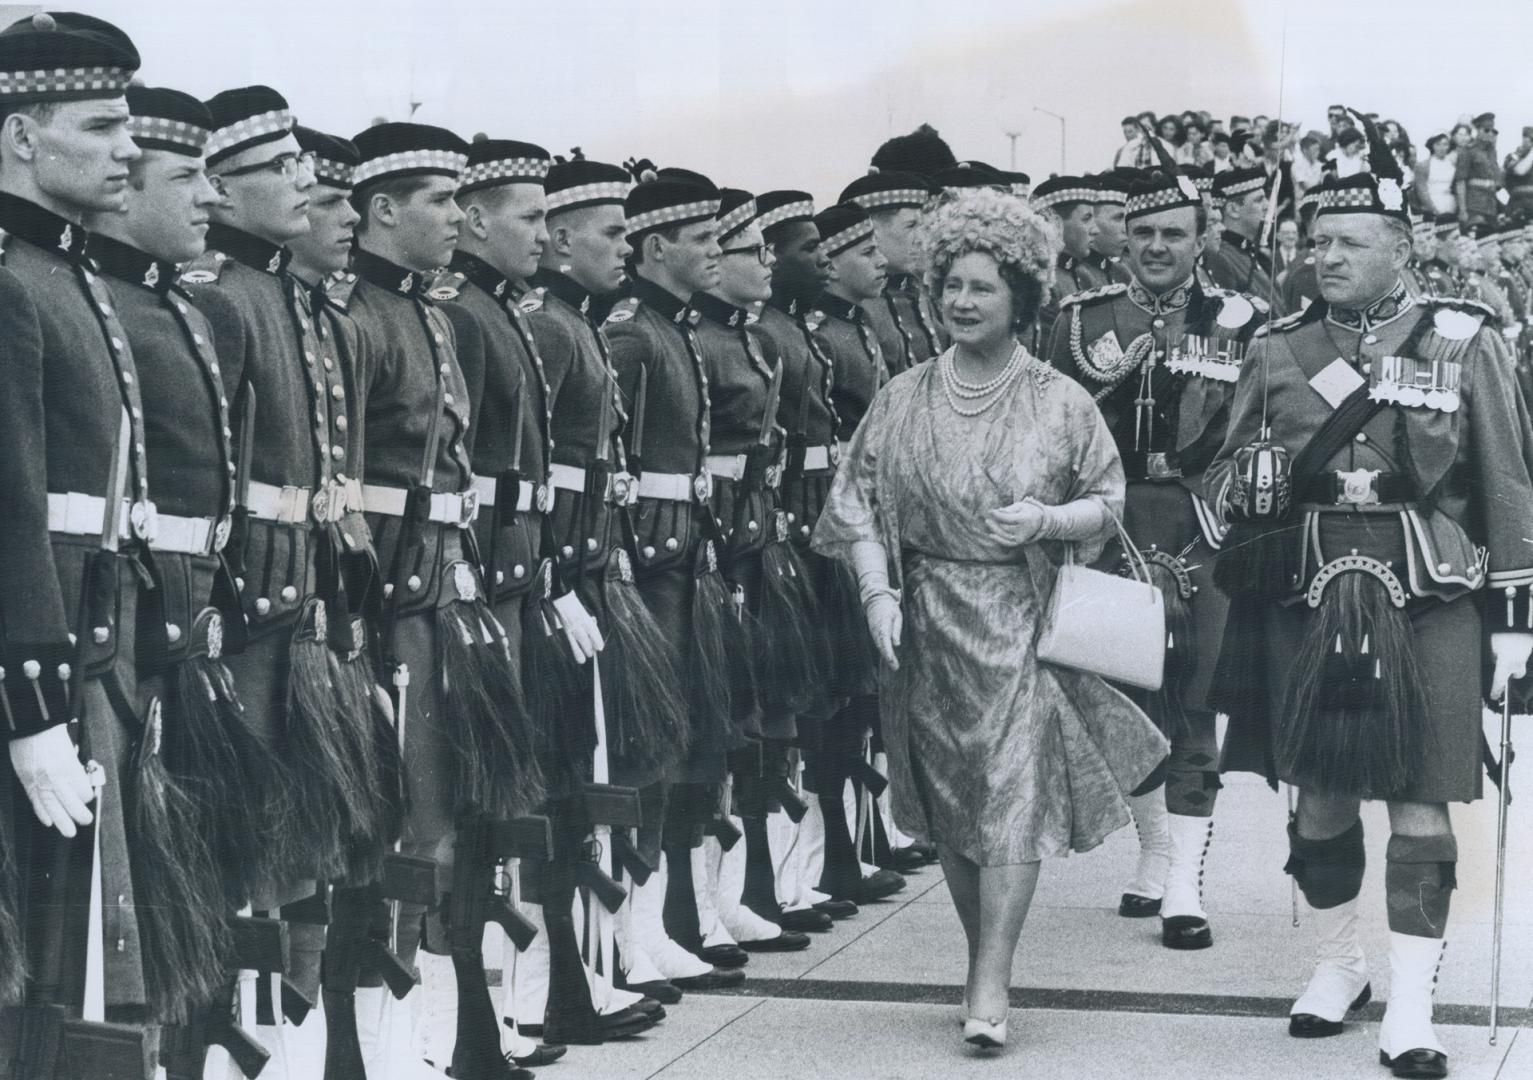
1405	380
1214	358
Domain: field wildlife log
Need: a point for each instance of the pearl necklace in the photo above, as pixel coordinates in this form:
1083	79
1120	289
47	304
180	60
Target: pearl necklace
984	395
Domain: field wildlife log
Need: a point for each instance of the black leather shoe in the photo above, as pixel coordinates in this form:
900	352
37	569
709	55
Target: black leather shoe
1419	1064
837	909
660	992
543	1054
724	956
928	851
806	919
907	860
1310	1026
1185	932
717	979
625	1023
787	941
879	885
1134	906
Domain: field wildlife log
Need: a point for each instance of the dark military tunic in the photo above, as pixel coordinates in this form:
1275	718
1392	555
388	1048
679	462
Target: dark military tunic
1423	279
1240	265
855	357
1449	426
904	323
69	376
1071	276
1162	369
807	413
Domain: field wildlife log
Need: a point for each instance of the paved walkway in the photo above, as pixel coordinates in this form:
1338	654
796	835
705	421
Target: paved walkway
1096	995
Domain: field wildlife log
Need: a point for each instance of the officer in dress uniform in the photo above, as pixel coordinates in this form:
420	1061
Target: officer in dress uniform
903	317
806	410
1072	201
1424	274
1351	666
300	550
1160	356
681	564
73	449
746	460
1108	246
558	993
191	464
1240	264
843	772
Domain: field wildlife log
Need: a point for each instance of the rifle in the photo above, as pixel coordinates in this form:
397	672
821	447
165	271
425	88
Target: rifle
475	899
406	878
610	807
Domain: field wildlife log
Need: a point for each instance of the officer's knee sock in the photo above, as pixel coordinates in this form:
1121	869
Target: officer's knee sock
1419	879
1192	780
1329	872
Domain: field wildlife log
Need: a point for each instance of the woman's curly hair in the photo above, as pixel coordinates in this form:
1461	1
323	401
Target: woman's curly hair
1022	241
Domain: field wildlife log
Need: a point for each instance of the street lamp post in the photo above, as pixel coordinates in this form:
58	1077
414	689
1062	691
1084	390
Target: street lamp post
1013	136
1062	123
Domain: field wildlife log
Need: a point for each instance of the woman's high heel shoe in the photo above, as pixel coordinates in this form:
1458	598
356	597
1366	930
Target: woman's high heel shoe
984	1035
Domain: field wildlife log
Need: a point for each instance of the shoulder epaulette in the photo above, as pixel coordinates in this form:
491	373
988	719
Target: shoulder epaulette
623	310
204	269
447	286
1462	303
339	287
1286	323
1089	295
533	301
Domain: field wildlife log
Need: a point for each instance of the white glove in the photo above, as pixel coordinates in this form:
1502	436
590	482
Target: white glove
48	766
886	623
1511	652
1017	524
580	628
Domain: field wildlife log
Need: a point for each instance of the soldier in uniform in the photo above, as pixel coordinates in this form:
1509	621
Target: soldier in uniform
1240	264
923	152
1071	200
681	563
300	551
1110	242
1352	659
903	317
1160	356
856	275
1424	274
557	994
745	461
76	477
806	410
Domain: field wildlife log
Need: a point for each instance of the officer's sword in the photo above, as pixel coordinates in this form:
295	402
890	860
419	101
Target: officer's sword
1503	798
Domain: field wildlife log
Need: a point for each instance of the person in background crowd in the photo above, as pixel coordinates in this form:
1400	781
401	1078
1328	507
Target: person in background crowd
1478	176
1306	168
1349	156
1432	192
1517	171
1219	152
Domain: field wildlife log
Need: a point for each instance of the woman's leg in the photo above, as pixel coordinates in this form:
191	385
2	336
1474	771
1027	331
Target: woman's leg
963	883
1005	894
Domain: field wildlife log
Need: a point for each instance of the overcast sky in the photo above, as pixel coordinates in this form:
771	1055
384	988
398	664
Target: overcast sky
798	93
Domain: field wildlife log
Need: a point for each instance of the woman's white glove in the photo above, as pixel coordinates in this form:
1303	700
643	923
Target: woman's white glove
48	766
580	628
1027	521
1511	652
886	622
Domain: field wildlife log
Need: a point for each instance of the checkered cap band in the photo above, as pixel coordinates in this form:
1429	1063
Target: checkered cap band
793	211
1204	184
88	80
1351	198
158	129
1242	188
607	191
1066	195
1151	201
512	169
334	173
877	200
255	128
839	242
738	218
673	215
1107	195
440	161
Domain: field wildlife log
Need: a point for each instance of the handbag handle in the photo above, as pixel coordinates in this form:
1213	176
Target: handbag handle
1139	568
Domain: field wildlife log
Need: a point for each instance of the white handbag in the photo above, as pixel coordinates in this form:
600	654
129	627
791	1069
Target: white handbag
1106	624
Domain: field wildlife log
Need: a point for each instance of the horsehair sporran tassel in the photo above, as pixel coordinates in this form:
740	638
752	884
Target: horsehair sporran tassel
13	975
1354	722
177	889
487	721
710	687
322	779
648	725
554	691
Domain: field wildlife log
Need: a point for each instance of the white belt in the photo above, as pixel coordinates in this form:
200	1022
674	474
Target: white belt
728	466
292	505
458	508
816	458
620	486
83	515
673	487
568	477
76	514
843	447
189	535
526	494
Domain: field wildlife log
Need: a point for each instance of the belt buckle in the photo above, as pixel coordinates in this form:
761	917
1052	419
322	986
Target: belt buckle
624	491
1158	467
540	498
144	519
468	507
319	504
702	486
774	477
221	534
833	451
1357	487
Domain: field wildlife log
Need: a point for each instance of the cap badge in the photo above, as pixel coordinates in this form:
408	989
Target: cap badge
152	275
1389	194
66	238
